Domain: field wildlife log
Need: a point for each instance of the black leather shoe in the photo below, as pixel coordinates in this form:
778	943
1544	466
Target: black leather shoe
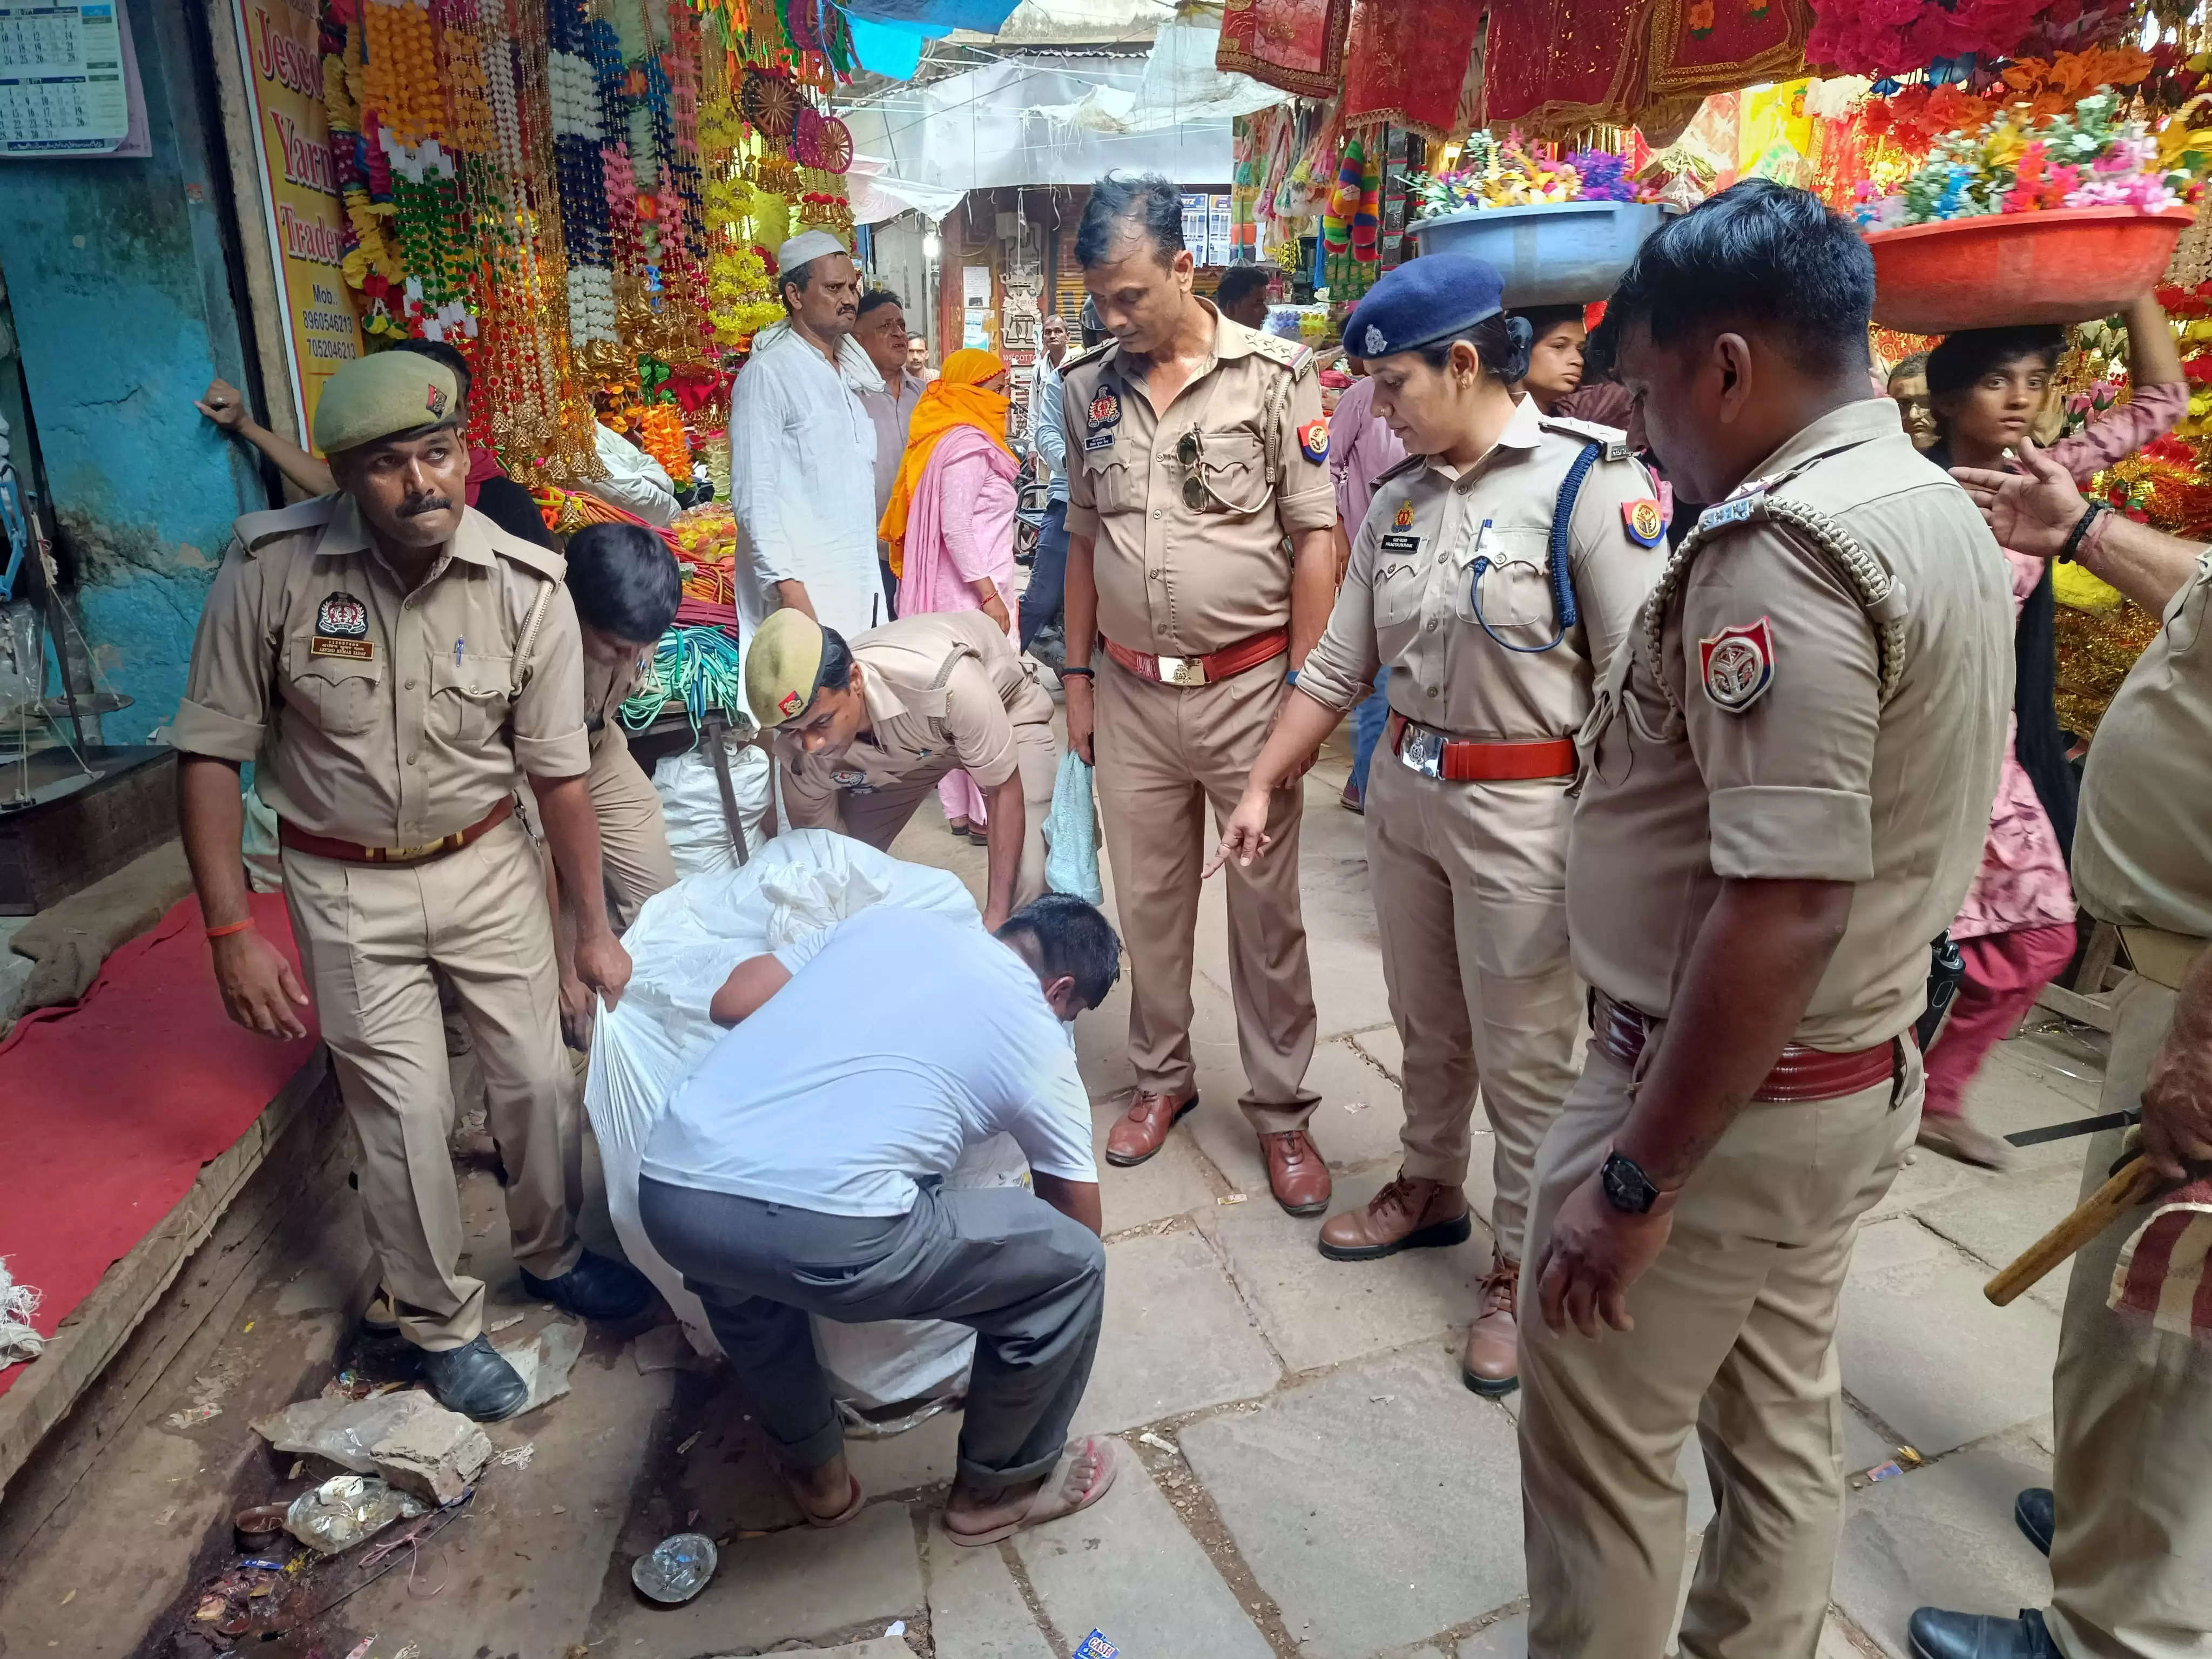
2035	1512
476	1380
1935	1634
595	1288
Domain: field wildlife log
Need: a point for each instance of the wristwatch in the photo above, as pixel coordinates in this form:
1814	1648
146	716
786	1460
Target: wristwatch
1627	1189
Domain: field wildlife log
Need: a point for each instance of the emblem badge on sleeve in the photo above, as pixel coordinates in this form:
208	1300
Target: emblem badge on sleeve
1313	442
1645	523
1738	664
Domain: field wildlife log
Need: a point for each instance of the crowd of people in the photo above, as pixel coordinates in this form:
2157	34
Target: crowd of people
1693	698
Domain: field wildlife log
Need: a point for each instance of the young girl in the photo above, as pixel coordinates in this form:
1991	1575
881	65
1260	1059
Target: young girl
2016	930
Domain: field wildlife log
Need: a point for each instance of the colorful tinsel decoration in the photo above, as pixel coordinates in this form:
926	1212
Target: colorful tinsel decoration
1498	174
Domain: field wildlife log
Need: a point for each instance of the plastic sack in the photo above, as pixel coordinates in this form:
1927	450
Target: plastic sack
682	947
346	1508
692	806
1071	835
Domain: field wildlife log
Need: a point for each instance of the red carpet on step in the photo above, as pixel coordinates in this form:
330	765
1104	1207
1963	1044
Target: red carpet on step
108	1109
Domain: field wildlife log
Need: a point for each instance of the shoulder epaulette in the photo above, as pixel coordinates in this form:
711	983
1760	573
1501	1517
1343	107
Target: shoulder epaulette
1410	464
255	530
1293	354
1614	440
529	554
1089	354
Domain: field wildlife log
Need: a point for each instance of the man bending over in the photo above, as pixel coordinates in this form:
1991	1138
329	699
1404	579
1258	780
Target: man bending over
798	1170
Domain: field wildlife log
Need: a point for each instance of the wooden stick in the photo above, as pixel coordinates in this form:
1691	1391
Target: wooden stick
2136	1181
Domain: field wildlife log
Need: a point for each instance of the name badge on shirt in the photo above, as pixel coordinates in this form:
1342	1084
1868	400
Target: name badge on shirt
355	650
1098	441
342	629
1400	544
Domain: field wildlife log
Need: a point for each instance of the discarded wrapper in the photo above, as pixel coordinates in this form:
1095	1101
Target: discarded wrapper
1094	1646
676	1569
346	1508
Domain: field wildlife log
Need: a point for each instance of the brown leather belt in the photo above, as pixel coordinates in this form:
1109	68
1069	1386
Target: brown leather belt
1203	671
1801	1074
1458	760
346	852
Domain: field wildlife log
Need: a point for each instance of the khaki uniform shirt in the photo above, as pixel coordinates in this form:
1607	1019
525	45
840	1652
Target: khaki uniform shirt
1182	582
1409	594
377	714
921	719
1804	775
2142	850
606	691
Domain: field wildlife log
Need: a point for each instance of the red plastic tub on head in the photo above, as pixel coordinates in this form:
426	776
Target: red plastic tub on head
2064	266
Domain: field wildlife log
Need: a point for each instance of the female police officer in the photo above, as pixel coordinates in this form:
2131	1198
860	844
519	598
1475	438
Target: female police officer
1499	569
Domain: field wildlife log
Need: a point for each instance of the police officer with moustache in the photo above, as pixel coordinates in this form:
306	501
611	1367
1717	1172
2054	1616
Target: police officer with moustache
1200	569
1787	783
391	659
1497	573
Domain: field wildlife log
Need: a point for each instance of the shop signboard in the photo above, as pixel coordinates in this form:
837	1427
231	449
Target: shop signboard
277	43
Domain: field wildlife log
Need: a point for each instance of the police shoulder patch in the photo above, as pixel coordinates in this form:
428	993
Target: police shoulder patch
1737	665
342	616
1643	521
1104	408
1313	442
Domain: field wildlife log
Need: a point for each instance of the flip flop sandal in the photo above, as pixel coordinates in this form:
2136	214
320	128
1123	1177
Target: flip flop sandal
824	1522
1048	1502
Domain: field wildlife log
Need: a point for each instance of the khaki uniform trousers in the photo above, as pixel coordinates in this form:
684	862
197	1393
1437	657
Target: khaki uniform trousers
1163	753
876	815
1471	900
370	937
1735	1326
2131	1555
633	835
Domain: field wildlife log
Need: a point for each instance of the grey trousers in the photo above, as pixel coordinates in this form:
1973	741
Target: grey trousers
1029	1282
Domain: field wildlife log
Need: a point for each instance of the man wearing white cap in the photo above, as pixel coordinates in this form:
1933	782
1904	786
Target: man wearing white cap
802	452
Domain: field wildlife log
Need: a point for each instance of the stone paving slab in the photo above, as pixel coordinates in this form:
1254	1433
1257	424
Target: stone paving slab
1998	1220
1126	1568
1377	1505
1176	1337
2019	1088
798	1583
975	1608
1941	1536
1925	1351
1928	1178
926	1454
1318	1312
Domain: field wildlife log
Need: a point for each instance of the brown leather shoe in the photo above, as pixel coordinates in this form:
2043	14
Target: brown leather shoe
1492	1364
1296	1174
1408	1214
1144	1127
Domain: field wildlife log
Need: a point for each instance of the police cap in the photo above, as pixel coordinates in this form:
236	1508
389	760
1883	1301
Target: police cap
372	397
781	667
1432	298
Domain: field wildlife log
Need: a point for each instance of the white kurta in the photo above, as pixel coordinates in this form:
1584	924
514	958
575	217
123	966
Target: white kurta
803	483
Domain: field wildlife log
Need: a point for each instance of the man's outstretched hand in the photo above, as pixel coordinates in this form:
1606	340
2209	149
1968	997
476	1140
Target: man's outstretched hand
2031	511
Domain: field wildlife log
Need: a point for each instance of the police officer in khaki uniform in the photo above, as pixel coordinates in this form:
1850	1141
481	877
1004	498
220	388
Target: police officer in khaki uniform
391	659
1786	788
1200	562
864	731
2125	1521
1498	571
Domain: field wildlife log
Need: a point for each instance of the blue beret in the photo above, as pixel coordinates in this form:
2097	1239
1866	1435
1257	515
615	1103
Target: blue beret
1431	298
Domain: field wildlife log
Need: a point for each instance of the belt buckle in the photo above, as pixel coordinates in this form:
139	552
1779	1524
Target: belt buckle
1182	670
1422	751
406	854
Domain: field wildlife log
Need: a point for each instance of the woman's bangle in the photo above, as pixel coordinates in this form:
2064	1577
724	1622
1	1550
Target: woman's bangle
230	927
2090	515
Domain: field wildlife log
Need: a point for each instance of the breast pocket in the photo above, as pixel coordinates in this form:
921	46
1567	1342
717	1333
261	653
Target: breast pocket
1400	582
1235	470
1111	490
1516	590
341	696
470	699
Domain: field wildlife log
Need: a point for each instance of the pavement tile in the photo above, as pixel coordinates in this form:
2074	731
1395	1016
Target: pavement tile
1176	1337
1169	1183
2019	1087
1928	1178
1125	1568
1998	1220
975	1608
802	1582
1506	1639
1925	1351
2071	1061
926	1454
1377	1505
1941	1536
1339	1073
1318	1312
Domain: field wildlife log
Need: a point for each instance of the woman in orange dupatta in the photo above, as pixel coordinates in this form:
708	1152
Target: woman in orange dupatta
949	525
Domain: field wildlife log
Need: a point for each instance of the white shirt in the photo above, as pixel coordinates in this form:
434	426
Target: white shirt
823	1101
803	482
635	482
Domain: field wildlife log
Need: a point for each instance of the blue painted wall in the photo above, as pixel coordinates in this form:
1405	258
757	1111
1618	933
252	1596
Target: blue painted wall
117	279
